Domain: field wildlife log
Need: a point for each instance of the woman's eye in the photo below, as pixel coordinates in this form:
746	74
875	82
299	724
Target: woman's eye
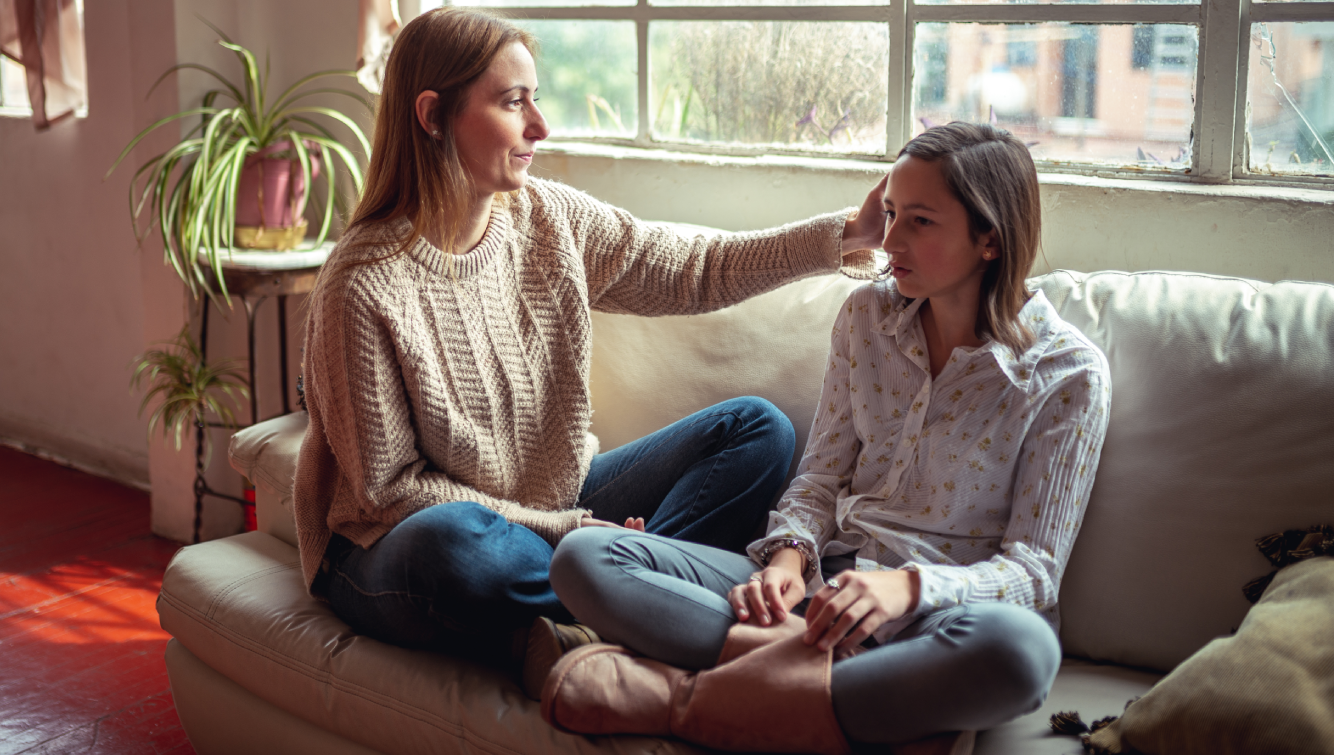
922	221
889	214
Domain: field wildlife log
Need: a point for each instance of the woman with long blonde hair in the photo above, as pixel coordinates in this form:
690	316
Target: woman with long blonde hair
906	592
447	360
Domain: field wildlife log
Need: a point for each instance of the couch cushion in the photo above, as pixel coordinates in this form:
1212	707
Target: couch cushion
238	604
1221	431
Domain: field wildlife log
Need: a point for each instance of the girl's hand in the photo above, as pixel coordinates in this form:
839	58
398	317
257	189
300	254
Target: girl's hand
861	604
633	523
865	228
770	593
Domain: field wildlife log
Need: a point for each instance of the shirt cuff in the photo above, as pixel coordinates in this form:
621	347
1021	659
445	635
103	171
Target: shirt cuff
935	589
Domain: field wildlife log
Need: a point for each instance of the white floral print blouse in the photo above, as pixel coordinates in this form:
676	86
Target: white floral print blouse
977	479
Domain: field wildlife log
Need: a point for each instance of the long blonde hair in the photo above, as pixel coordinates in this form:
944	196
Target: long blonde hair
413	175
992	174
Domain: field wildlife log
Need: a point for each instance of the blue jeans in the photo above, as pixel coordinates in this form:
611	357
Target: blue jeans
969	667
459	576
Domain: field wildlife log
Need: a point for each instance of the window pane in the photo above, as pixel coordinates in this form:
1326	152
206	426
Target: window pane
1115	94
771	3
1291	98
431	4
13	85
805	85
586	76
1054	2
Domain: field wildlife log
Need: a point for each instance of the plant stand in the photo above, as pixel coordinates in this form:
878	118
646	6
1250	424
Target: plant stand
253	277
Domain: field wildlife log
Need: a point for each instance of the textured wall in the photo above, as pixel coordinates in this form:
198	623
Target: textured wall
1088	224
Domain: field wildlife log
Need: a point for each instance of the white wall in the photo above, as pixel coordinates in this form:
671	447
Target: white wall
72	308
77	301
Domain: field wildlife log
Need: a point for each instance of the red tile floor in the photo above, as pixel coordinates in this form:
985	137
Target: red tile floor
81	665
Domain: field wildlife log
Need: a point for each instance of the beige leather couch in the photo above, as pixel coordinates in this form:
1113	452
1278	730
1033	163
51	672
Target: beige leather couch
1222	430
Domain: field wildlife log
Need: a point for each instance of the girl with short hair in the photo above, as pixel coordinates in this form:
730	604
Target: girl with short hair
906	591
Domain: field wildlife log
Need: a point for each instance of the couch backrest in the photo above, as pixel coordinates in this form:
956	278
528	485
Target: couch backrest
1221	431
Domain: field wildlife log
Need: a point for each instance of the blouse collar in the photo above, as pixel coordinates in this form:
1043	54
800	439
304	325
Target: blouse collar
901	321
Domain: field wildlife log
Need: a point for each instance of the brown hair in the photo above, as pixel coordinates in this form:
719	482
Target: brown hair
413	175
992	174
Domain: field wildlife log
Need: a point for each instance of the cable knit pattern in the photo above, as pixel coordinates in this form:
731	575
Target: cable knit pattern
433	378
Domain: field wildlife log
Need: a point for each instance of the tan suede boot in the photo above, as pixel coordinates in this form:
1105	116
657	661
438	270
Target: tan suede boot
774	698
546	642
606	689
769	693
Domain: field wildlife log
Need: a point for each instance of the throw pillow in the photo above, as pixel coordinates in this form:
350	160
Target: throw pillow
1267	689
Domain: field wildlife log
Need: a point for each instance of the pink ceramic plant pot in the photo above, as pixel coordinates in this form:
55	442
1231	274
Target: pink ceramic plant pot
271	197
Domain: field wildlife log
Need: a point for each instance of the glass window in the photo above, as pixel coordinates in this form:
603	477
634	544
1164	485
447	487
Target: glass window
1080	96
13	87
1290	98
818	86
587	78
1108	86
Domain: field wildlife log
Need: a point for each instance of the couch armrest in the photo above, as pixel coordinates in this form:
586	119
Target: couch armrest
266	454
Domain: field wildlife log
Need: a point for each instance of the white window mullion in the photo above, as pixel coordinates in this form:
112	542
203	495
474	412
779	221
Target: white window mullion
1241	152
1216	89
644	133
1303	11
898	102
1082	13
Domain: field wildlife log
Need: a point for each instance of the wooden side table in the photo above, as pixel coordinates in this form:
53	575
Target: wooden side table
252	277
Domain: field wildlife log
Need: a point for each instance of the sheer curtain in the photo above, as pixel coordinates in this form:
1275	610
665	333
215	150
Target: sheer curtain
379	22
46	38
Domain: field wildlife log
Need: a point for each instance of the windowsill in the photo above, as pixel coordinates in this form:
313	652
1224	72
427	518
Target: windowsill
24	111
1165	183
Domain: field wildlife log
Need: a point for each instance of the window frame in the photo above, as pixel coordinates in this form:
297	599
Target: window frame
1218	155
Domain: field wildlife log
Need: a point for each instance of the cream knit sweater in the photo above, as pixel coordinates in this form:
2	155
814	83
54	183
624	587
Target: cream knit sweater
427	385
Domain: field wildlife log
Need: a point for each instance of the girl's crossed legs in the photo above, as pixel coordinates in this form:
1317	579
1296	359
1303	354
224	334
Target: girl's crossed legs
970	667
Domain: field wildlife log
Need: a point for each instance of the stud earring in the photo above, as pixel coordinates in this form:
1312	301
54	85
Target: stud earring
435	132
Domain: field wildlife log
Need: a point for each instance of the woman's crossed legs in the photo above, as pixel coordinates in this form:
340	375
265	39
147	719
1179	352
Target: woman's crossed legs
966	668
456	575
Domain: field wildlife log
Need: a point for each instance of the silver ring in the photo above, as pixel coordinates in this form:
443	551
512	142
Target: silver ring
834	584
755	578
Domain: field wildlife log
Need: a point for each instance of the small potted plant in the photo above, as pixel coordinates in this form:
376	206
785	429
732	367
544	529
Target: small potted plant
189	388
241	176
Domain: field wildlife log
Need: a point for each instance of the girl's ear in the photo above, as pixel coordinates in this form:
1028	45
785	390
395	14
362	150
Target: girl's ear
425	107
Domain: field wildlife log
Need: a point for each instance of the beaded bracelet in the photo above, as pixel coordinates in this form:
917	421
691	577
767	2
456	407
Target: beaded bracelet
800	546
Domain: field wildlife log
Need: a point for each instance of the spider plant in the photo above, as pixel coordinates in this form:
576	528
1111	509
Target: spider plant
196	213
189	388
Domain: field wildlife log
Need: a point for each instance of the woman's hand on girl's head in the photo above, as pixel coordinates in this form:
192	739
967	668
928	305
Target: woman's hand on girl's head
865	227
862	603
633	523
771	593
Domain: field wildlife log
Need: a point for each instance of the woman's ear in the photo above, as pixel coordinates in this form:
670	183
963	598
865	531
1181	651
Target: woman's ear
425	107
990	243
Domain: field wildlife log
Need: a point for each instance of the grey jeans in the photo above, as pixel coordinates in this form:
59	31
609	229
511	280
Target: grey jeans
971	667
